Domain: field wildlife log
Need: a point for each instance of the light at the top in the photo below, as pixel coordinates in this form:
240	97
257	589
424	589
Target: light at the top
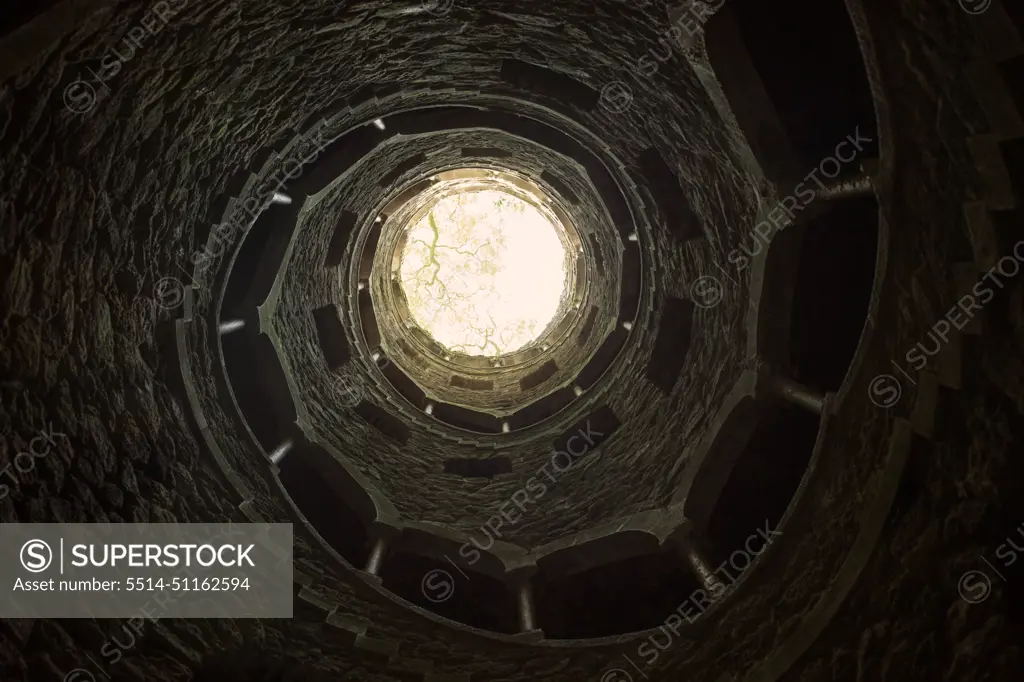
483	272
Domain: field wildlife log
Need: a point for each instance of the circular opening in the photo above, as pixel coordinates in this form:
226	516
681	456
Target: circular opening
484	272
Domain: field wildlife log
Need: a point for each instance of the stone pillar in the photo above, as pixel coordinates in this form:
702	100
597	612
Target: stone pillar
385	534
798	394
857	186
376	558
228	326
691	548
520	580
280	451
524	599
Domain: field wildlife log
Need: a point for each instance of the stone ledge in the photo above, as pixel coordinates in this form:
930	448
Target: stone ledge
370	578
250	512
328	606
381	647
301	578
356	626
529	637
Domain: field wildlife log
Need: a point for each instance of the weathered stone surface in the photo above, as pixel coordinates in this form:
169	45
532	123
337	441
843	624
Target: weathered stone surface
98	207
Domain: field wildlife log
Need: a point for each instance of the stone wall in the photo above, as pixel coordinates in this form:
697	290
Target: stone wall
97	207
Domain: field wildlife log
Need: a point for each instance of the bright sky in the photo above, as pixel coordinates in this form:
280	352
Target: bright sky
483	272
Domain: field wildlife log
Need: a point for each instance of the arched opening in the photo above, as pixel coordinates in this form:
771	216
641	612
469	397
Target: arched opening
625	596
833	289
314	482
765	476
457	593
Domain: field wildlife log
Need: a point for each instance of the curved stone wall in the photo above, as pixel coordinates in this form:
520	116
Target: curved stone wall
137	224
